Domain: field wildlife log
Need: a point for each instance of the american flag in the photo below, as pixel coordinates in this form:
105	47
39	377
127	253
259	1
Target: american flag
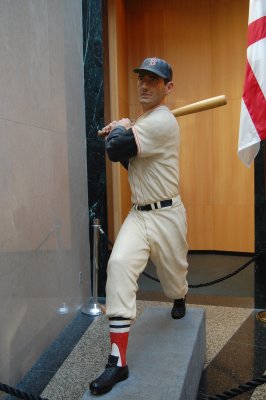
253	106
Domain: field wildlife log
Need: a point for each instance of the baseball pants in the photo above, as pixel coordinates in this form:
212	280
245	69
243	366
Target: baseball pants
159	235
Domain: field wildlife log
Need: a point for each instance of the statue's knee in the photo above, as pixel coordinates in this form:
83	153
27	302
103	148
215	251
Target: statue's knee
115	265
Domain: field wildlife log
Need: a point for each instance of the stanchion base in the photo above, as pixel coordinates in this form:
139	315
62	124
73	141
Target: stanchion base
92	309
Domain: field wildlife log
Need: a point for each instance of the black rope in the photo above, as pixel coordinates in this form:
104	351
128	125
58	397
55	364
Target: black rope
229	394
224	277
19	393
257	255
211	282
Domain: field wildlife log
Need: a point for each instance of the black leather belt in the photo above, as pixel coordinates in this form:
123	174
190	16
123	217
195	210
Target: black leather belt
154	206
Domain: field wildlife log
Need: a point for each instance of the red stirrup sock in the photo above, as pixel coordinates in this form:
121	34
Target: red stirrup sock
119	331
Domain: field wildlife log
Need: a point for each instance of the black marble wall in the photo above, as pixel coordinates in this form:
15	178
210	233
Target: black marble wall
260	227
94	109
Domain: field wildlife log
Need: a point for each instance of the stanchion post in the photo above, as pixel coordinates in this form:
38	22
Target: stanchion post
93	307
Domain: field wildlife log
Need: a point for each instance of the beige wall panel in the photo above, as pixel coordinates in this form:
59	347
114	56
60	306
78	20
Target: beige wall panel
233	188
163	32
196	159
205	41
200	234
142	26
160	5
229	22
118	102
237	221
233	182
187	47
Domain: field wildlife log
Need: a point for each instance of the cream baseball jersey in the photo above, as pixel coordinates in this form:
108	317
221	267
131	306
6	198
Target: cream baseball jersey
154	173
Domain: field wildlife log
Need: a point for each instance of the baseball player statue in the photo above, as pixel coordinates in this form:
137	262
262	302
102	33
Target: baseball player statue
155	227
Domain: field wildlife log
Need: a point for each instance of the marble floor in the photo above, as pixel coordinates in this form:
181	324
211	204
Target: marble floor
235	353
235	340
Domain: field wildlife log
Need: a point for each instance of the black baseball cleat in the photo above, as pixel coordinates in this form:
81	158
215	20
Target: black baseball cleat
179	308
110	376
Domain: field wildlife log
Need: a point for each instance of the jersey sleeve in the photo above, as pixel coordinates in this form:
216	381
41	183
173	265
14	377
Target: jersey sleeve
120	144
152	132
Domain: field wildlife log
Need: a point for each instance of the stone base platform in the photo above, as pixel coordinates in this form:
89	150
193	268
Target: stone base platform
165	357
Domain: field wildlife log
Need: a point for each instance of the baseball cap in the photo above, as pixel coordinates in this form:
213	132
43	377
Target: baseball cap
157	66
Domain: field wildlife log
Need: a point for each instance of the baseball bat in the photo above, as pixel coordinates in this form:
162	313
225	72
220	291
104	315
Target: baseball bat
202	105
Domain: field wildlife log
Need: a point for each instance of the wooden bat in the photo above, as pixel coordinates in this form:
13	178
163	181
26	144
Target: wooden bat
202	105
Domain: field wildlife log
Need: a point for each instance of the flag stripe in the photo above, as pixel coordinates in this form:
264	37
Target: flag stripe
257	30
252	127
255	102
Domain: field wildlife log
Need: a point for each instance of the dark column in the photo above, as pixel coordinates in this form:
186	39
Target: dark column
94	110
260	227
